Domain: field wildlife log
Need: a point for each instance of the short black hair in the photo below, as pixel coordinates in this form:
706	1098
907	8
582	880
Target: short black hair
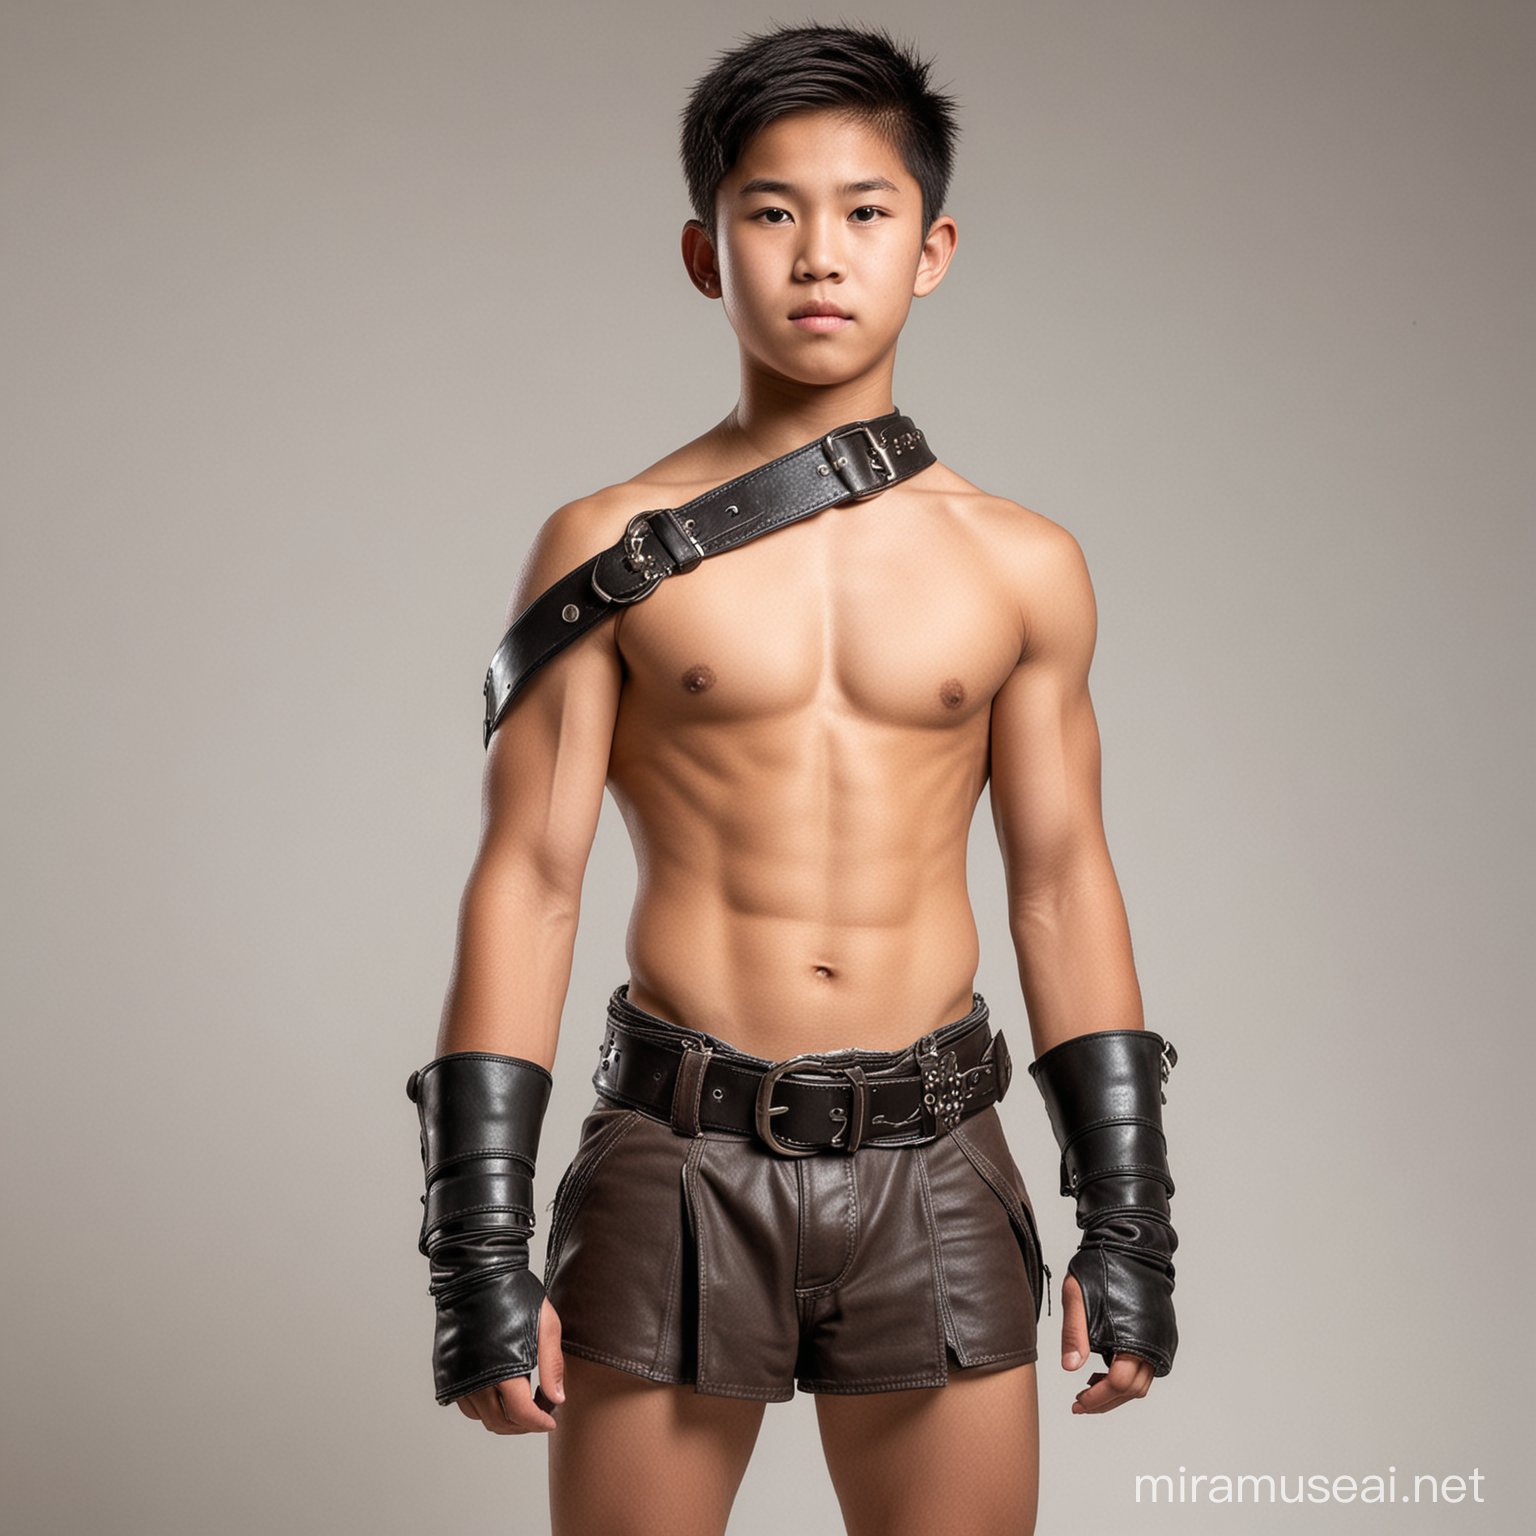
862	71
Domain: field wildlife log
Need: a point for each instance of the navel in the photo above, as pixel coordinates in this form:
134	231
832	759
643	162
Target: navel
698	679
822	972
952	693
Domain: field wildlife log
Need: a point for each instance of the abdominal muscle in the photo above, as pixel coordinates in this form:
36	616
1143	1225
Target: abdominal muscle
801	877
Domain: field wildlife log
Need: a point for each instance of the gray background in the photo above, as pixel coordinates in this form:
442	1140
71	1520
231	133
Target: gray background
311	311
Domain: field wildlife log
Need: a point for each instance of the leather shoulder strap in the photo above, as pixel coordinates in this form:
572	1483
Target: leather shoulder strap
850	463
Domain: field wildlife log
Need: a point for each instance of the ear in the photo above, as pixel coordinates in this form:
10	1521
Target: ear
700	259
933	263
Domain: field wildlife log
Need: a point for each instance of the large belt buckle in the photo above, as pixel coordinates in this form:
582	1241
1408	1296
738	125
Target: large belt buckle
852	1131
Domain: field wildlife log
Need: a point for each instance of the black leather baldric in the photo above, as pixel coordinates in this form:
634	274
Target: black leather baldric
836	1101
848	464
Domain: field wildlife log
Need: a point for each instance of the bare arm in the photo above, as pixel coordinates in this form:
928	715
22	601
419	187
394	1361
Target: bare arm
543	790
1064	906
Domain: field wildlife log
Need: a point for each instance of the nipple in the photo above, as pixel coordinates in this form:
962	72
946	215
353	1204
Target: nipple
952	693
698	679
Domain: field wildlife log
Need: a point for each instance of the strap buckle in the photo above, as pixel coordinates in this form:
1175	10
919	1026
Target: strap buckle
635	558
879	458
854	1119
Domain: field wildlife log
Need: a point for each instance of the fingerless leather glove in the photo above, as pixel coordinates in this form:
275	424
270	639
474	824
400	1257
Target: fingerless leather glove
480	1120
1104	1096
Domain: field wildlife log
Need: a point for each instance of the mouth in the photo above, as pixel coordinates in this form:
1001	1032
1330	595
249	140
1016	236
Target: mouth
820	315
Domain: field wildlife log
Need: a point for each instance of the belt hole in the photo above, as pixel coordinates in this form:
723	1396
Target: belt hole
718	1094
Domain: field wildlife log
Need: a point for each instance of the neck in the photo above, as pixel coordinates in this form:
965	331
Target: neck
775	415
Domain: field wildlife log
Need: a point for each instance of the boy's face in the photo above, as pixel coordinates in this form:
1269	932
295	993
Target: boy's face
819	248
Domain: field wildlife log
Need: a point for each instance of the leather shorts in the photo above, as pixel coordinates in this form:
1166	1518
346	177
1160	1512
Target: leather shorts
712	1260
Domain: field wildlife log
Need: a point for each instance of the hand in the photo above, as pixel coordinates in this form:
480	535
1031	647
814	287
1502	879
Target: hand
513	1407
1128	1376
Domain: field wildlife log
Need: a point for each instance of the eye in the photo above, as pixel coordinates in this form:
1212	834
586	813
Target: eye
773	216
866	215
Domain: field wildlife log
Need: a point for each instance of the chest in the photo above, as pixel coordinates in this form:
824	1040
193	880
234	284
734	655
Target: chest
889	617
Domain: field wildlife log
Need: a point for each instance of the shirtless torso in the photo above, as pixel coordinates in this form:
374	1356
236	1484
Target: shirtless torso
797	734
798	752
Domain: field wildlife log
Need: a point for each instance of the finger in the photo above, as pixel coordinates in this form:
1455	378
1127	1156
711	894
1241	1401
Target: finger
482	1406
551	1359
1123	1383
506	1409
1128	1378
1106	1392
520	1413
1074	1326
485	1405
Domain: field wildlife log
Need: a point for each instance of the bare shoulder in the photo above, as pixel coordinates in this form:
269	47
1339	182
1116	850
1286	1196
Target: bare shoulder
1009	529
1039	561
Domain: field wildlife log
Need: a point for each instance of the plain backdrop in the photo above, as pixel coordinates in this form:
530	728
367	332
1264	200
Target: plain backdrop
313	309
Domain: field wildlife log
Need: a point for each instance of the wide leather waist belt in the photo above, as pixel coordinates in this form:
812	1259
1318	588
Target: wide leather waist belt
832	1101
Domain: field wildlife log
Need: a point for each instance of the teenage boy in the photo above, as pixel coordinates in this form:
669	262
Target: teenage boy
794	1172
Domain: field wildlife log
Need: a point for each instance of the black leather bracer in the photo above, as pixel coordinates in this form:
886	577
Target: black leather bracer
1104	1095
480	1120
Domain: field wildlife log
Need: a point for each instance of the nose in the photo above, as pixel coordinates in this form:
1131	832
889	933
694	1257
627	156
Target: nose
820	257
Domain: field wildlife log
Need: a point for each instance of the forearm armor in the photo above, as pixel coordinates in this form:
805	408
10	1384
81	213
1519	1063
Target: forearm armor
1103	1093
480	1120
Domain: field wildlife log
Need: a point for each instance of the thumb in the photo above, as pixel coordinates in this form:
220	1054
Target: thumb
551	1357
1074	1326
